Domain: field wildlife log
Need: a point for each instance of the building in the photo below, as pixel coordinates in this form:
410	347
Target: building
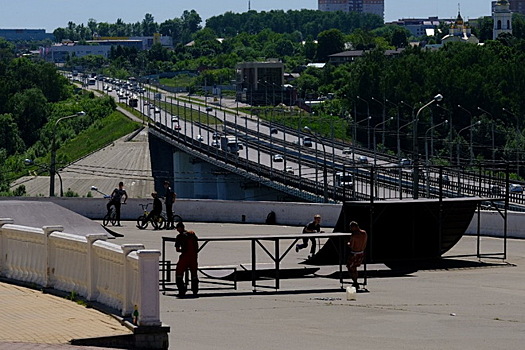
262	83
59	53
25	35
460	32
502	16
517	6
353	55
420	26
376	7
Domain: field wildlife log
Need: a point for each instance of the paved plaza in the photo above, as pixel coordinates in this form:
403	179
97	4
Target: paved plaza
463	305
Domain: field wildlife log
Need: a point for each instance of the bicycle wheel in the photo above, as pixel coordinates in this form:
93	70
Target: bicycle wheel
177	219
113	218
106	219
141	223
158	223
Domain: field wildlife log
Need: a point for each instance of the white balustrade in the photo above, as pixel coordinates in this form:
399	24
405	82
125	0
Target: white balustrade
117	276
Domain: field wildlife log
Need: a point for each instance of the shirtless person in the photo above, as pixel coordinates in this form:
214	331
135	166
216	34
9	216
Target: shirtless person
357	245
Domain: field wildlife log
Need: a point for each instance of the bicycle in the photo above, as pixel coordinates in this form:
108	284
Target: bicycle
158	222
110	217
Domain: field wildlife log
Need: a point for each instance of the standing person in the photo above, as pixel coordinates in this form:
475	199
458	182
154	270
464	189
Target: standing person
357	245
312	227
186	243
116	200
169	199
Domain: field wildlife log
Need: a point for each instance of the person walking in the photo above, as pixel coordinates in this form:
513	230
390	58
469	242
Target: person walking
187	245
312	227
169	199
116	200
357	245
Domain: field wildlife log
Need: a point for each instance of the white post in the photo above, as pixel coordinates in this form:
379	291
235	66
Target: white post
91	266
127	306
3	253
149	299
48	230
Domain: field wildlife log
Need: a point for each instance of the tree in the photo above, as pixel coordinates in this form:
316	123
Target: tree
329	42
149	27
10	138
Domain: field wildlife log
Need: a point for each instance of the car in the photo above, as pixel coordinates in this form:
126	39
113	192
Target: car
216	143
445	179
278	158
174	119
405	162
274	131
200	138
209	109
157	110
496	190
289	169
515	188
176	126
362	160
347	150
151	106
307	142
216	136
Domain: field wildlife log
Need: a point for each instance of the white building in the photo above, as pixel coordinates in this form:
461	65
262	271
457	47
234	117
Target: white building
502	18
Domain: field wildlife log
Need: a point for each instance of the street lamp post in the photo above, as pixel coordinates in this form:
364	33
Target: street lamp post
397	127
517	140
52	166
426	139
383	119
470	131
415	180
368	115
459	132
325	170
355	135
375	140
492	132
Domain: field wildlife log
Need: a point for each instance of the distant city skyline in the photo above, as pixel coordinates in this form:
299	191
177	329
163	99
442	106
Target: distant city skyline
51	14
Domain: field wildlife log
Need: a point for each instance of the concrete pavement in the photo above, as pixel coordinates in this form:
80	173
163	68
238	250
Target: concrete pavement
465	304
30	317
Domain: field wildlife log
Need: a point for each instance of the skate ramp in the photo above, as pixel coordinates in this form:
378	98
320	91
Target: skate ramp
401	231
39	214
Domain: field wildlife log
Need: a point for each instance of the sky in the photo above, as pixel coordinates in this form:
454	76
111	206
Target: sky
51	14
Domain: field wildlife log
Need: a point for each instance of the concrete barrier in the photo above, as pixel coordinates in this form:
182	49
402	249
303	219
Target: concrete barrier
287	213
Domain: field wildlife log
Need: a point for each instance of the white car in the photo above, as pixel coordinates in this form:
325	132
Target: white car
278	158
200	138
289	169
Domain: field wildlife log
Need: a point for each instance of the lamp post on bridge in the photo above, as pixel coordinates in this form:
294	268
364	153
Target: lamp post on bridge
517	133
325	170
369	117
383	122
459	132
471	148
375	140
52	165
492	132
415	179
355	135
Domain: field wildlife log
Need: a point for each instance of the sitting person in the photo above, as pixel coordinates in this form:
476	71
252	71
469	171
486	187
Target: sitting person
156	211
